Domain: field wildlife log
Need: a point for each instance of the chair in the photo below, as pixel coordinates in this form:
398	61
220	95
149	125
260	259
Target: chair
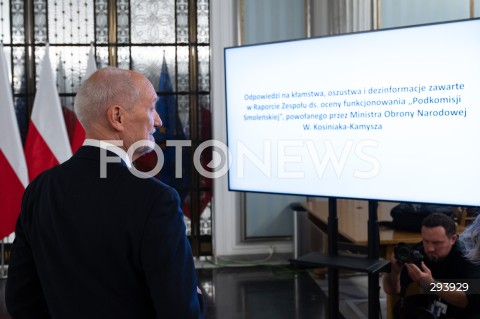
464	216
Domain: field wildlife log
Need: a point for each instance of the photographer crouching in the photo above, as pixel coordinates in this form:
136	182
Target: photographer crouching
437	265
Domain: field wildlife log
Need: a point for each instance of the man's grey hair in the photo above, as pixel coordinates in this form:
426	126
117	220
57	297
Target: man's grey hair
104	88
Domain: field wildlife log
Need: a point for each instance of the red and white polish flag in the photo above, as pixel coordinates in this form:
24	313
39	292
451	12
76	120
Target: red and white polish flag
47	141
13	168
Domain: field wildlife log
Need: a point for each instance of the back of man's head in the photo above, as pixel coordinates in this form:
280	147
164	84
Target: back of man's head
102	89
440	219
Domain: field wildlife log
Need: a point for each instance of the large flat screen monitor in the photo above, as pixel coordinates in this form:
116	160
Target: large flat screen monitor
387	115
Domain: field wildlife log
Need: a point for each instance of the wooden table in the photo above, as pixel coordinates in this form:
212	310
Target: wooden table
352	223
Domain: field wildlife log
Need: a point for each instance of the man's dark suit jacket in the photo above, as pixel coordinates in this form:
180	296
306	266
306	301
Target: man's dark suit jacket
92	247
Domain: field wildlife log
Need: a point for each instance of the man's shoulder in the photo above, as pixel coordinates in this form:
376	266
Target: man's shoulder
144	182
56	170
89	171
458	251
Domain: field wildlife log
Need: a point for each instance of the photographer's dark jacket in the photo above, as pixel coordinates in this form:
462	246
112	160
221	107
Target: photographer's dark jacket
455	267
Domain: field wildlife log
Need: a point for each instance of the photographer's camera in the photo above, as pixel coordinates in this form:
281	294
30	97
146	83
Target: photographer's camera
406	254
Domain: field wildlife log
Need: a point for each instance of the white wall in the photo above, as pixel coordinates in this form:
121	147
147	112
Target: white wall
224	23
409	12
273	20
226	204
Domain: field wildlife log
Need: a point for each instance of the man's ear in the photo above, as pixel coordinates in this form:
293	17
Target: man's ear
454	238
116	117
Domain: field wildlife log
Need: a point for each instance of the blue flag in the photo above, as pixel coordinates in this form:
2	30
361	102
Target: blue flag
171	130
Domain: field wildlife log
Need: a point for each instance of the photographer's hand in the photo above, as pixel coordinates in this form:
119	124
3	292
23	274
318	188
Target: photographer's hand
395	264
423	277
391	280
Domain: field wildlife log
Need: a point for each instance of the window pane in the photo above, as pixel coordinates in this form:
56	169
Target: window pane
101	20
206	213
203	68
203	29
148	61
409	12
5	22
69	22
18	70
123	58
153	21
184	113
123	21
102	57
182	21
40	16
69	63
183	62
39	55
18	27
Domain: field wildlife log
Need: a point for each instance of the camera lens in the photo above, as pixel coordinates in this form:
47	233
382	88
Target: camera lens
402	253
406	254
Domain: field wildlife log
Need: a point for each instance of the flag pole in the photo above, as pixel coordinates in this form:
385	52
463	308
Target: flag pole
3	266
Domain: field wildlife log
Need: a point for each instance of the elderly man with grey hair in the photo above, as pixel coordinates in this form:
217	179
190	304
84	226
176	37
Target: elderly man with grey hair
112	245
